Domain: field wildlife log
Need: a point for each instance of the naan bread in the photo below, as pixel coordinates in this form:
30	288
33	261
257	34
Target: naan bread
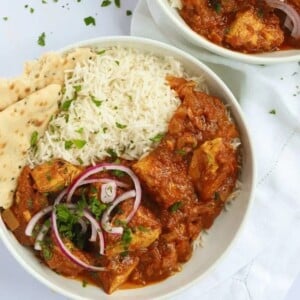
17	124
49	69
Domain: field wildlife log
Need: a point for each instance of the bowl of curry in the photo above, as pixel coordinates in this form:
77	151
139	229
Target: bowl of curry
255	32
123	224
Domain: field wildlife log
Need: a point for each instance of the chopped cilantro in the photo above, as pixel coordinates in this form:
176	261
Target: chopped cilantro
105	129
128	12
90	21
66	105
34	138
272	112
68	145
118	173
180	152
84	283
79	143
105	3
157	138
79	160
96	207
44	1
126	237
100	52
31	10
112	153
117	62
5	18
174	207
118	3
80	130
77	88
96	101
121	126
142	228
41	39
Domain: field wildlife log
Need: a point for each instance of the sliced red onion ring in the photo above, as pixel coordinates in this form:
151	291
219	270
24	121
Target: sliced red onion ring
288	23
83	226
61	244
41	235
291	12
105	222
30	226
106	167
106	180
108	192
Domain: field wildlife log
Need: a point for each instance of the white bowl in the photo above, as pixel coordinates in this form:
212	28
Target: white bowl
220	237
172	25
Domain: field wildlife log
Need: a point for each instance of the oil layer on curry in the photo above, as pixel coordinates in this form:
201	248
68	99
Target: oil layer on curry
251	26
132	222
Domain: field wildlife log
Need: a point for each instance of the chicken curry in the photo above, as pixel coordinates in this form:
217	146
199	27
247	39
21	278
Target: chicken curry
148	212
252	26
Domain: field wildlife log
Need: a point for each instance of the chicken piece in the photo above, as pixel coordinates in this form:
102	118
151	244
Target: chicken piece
58	261
251	33
213	170
119	269
159	262
52	176
164	175
27	203
144	230
202	115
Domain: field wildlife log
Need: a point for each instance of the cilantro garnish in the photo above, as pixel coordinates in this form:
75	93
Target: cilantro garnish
118	3
96	101
90	21
112	153
272	112
105	3
157	138
41	39
128	12
96	207
174	207
121	126
34	138
66	105
126	237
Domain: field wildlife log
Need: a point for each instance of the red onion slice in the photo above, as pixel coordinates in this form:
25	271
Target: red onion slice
108	192
291	12
105	222
31	224
41	235
106	167
106	180
61	244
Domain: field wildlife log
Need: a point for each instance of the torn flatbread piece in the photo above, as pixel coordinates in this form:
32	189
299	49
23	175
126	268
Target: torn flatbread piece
18	124
49	69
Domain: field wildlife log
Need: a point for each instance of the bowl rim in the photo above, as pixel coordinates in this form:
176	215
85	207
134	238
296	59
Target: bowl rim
200	41
139	40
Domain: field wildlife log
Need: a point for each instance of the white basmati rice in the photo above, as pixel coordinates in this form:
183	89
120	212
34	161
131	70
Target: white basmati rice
123	101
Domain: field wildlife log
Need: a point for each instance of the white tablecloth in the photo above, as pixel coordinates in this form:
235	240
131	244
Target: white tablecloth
63	24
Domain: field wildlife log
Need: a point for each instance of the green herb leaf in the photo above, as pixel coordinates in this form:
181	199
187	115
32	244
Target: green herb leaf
96	101
5	18
180	152
126	237
118	173
31	10
34	138
96	207
118	3
142	228
68	145
84	283
41	39
112	153
174	207
117	62
66	105
100	52
105	3
77	88
79	144
121	126
128	12
79	160
80	130
272	112
90	21
157	138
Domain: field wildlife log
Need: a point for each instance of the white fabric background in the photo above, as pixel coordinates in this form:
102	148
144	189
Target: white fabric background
64	25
